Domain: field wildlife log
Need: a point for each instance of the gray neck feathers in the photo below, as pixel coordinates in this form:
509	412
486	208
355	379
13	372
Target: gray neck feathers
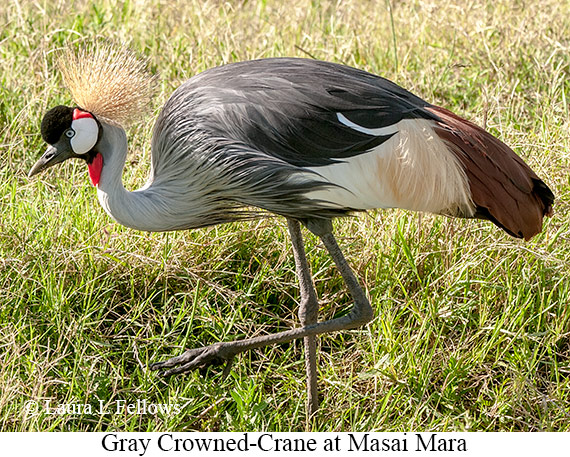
174	197
144	209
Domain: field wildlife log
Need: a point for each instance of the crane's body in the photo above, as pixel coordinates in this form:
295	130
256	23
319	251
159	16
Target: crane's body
307	140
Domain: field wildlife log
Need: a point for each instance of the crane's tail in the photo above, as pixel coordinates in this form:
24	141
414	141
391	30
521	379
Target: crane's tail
503	188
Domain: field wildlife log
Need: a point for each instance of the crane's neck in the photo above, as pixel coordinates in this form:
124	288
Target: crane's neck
142	209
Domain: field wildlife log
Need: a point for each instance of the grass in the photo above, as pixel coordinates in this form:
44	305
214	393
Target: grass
472	329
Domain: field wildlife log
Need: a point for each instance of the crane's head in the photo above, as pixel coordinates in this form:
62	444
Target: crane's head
111	85
70	133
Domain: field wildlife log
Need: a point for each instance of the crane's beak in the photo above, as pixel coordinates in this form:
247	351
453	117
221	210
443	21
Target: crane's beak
54	154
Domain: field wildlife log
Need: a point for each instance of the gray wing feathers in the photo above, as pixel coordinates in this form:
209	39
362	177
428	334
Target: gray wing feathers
223	173
242	134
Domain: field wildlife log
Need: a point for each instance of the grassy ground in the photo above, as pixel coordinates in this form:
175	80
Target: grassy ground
472	329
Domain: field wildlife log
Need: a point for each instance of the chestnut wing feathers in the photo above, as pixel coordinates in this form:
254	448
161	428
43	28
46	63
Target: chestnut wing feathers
504	188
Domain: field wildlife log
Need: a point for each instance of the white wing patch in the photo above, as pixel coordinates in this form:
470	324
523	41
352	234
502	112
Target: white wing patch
381	131
412	170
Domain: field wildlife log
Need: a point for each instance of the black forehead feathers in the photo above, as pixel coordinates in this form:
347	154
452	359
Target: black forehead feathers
55	122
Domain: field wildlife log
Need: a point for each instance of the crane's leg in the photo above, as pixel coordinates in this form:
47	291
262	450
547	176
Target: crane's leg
308	313
224	352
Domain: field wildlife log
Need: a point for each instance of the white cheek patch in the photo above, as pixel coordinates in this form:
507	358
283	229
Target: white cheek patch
86	134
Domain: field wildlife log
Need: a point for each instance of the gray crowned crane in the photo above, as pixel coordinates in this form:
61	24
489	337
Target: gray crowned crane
304	139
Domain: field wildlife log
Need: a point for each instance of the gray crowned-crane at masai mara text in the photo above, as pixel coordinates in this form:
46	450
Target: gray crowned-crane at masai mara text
304	139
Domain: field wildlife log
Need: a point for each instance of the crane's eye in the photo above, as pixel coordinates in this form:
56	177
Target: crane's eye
70	133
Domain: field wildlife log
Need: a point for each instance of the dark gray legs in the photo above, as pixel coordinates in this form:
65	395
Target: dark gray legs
360	314
308	313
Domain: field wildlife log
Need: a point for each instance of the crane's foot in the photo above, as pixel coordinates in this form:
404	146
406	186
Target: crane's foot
198	359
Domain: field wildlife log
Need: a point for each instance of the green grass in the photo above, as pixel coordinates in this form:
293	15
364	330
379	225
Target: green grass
472	329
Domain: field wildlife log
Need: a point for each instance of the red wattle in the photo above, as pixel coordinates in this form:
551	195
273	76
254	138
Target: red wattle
95	168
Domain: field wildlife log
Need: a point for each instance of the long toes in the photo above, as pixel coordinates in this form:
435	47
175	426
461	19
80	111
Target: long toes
187	356
180	369
161	365
200	362
193	359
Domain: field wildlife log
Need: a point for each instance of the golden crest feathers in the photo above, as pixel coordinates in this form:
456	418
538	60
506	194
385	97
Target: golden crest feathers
109	81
